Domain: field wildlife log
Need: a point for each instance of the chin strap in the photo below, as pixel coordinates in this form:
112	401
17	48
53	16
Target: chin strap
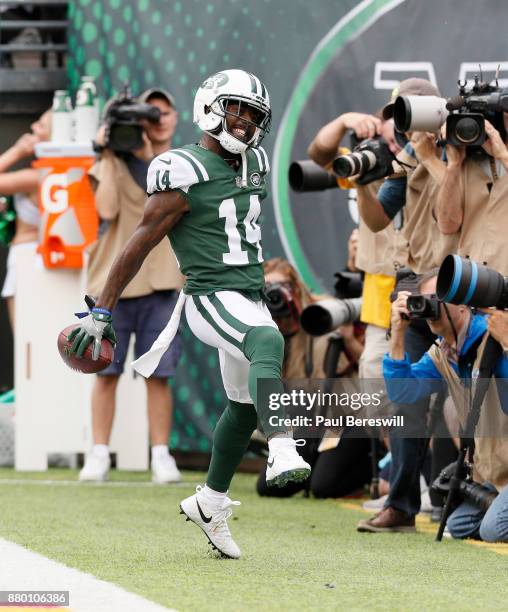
244	168
243	155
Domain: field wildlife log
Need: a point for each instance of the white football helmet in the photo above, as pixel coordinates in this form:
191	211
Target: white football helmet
220	90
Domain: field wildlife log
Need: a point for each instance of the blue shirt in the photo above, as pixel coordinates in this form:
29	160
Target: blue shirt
392	195
407	382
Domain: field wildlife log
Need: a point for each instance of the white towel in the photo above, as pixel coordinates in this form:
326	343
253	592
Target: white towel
147	363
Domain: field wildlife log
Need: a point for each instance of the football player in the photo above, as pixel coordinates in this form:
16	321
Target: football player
206	198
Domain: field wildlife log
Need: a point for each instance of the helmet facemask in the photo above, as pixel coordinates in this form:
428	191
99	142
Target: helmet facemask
255	129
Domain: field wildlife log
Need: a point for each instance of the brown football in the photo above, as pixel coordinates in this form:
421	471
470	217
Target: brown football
85	364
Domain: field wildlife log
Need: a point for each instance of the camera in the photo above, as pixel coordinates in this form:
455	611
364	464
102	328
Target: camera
480	496
348	284
124	128
462	281
371	160
280	301
464	114
423	307
324	316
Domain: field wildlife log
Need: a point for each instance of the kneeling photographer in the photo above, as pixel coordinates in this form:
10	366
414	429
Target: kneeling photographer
455	359
133	133
339	466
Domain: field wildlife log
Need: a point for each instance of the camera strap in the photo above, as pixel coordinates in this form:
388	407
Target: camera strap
493	169
309	357
456	337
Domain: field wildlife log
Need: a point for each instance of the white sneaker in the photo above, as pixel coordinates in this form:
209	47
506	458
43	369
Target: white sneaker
426	504
375	504
164	470
213	521
285	465
96	468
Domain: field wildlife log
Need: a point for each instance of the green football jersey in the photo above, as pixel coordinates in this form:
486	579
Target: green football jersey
218	243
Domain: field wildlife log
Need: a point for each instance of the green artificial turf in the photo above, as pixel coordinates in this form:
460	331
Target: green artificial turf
298	554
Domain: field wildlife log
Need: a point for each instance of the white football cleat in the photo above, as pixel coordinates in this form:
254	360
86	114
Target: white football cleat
285	464
164	470
95	469
213	521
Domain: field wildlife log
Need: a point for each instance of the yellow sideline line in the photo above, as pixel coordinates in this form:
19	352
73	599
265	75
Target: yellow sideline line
426	527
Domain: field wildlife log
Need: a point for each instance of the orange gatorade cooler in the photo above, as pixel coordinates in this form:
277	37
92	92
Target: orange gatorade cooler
66	200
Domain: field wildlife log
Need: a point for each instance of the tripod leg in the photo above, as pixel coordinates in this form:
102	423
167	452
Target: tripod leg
454	488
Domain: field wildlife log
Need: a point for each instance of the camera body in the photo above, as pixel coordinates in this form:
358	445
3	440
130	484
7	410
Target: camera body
423	307
480	496
370	159
464	114
124	128
281	302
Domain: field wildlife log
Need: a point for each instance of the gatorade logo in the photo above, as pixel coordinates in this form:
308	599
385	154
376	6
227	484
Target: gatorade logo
54	194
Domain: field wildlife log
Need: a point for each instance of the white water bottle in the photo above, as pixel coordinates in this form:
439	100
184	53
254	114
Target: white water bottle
87	111
61	123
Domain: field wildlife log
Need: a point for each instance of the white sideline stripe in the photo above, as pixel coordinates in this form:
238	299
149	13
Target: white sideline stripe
107	483
219	320
24	570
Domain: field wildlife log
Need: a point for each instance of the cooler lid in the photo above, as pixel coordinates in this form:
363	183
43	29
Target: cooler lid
64	149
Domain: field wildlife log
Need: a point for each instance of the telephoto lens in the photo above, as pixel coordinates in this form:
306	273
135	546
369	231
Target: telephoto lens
359	162
419	113
305	175
479	495
462	281
326	315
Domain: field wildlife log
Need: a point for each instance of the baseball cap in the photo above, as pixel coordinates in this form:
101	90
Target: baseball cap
409	87
146	95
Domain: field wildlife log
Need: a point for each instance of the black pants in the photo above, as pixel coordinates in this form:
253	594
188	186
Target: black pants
335	473
408	453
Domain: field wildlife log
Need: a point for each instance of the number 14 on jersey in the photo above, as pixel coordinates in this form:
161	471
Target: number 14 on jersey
237	256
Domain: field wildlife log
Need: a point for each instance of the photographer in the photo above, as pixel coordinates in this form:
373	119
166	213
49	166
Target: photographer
378	255
453	359
339	466
472	197
119	178
412	192
22	185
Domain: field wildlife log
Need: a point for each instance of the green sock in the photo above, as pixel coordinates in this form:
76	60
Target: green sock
264	348
230	440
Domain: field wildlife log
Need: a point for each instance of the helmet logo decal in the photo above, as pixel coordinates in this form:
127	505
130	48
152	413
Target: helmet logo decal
216	80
